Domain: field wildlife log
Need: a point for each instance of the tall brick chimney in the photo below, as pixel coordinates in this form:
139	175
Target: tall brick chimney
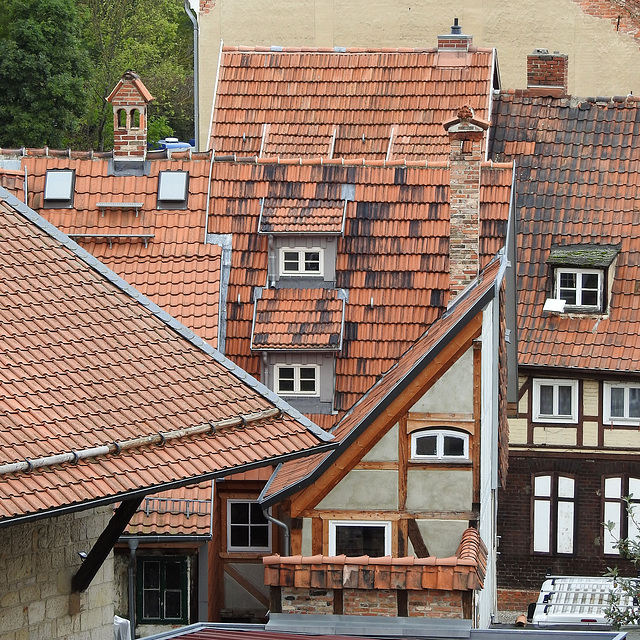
129	100
547	73
466	133
456	40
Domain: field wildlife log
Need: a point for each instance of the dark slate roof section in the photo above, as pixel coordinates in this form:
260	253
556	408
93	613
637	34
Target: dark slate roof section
179	328
585	255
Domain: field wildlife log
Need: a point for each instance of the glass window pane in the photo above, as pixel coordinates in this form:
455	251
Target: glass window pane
589	298
634	402
257	515
546	399
613	487
617	402
239	536
239	512
286	379
173	575
173	605
633	532
151	604
568	280
426	446
590	281
308	379
453	446
360	540
291	261
611	514
312	261
542	486
565	527
541	524
634	488
259	536
564	400
151	575
565	487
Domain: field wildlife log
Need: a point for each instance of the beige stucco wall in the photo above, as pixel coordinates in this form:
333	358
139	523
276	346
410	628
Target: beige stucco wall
364	489
386	450
442	537
590	398
37	562
601	60
439	490
560	435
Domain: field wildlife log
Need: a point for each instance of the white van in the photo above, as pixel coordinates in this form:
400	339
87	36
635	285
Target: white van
574	601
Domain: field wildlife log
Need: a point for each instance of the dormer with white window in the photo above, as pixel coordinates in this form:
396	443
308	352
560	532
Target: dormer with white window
581	278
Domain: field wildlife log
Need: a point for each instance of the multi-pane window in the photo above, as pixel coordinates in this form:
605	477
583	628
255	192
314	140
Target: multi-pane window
439	444
300	262
297	380
553	514
359	538
621	510
621	403
579	287
555	400
162	589
247	528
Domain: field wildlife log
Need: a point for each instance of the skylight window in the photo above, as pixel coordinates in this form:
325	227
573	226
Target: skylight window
58	188
173	189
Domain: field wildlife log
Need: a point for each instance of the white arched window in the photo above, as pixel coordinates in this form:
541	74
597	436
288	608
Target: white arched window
439	444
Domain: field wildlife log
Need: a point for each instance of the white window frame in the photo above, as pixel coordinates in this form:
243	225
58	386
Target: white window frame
301	271
555	416
553	505
624	515
440	435
625	420
240	549
296	380
334	524
579	273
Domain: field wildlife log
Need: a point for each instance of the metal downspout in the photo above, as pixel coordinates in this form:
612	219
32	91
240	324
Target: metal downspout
133	545
196	75
283	526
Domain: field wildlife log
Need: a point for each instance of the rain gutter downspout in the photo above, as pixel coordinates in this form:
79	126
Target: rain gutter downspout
196	75
283	526
133	545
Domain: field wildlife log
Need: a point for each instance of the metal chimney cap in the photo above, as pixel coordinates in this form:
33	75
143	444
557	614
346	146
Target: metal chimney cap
456	29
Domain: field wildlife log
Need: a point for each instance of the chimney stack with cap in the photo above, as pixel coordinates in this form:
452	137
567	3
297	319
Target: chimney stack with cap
547	73
466	134
129	100
456	40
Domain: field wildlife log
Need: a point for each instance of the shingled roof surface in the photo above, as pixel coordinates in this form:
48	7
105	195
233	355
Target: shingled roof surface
294	475
171	265
104	395
358	103
392	259
578	184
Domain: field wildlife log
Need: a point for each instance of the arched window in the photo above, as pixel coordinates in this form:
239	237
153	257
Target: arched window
439	444
135	119
121	117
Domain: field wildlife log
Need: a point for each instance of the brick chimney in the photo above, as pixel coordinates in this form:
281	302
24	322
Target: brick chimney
466	133
129	100
455	41
547	73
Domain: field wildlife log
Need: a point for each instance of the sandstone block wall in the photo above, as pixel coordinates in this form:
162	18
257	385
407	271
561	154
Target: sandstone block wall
37	562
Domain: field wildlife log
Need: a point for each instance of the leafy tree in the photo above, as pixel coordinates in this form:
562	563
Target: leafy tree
42	68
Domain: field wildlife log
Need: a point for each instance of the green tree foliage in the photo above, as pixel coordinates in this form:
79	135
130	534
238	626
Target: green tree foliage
42	68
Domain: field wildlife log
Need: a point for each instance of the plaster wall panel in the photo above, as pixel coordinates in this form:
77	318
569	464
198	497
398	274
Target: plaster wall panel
559	435
590	434
439	490
517	431
306	537
442	537
386	450
237	597
590	398
366	490
622	438
602	61
453	392
523	403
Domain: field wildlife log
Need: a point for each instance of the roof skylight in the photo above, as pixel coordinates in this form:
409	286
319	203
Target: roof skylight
173	189
58	187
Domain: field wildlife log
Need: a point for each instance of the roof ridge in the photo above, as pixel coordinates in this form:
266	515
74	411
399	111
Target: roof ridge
282	49
91	154
628	100
347	162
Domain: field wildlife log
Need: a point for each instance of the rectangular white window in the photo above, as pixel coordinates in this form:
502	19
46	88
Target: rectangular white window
59	188
553	514
621	509
621	403
555	400
247	528
580	287
298	261
359	538
297	379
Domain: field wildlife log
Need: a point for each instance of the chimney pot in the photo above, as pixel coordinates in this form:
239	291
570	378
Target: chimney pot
456	29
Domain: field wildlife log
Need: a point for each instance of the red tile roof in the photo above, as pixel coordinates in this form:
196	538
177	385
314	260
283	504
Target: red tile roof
299	319
355	103
281	214
295	475
104	395
578	183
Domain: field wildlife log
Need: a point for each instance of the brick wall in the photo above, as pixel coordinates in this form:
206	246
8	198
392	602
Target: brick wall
435	604
309	601
624	15
518	569
37	562
374	602
454	43
548	71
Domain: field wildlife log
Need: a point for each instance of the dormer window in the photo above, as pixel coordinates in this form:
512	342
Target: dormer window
173	189
297	380
58	188
301	261
580	288
439	444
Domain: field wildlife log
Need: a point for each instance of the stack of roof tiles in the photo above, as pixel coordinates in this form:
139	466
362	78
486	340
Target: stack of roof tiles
579	184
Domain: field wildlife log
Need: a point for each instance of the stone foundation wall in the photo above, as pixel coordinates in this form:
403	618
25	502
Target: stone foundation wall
37	562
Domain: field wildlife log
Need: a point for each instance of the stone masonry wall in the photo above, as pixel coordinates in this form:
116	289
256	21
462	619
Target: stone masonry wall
375	602
37	562
310	601
435	604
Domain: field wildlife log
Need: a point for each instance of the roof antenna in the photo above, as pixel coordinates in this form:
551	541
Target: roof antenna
456	29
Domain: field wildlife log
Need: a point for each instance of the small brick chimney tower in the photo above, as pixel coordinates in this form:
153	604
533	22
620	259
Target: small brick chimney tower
129	100
466	133
547	73
455	41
